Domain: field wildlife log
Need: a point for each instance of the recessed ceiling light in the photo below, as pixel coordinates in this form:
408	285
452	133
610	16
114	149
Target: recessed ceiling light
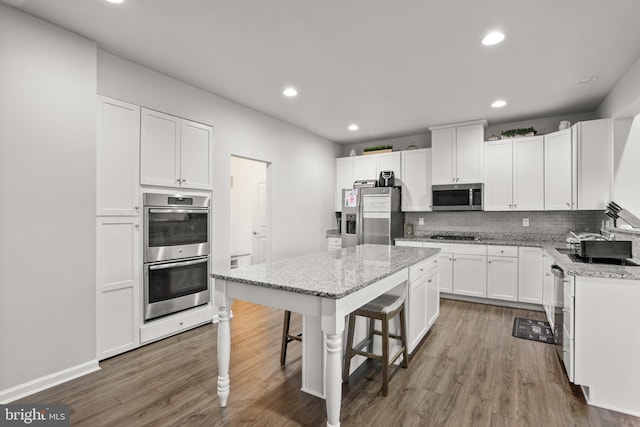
585	80
353	127
499	103
290	92
492	38
115	1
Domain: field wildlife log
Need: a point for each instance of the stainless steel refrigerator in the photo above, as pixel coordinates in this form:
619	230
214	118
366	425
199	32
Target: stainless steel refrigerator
371	215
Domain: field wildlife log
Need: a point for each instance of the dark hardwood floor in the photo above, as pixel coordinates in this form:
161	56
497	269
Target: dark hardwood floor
469	371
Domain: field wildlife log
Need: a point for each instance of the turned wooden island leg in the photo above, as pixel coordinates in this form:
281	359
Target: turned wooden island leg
224	353
334	378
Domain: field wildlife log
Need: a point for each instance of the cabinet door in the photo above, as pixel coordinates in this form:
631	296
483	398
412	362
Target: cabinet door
594	139
196	155
530	275
416	180
118	158
470	153
344	178
160	149
498	179
502	278
118	285
365	167
443	160
470	275
390	162
557	171
417	312
528	174
433	296
445	260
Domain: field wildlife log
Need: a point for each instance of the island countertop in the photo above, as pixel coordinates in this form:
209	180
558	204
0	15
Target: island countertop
333	274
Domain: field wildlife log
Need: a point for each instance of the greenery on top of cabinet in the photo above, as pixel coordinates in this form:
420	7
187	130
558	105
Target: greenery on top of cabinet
378	147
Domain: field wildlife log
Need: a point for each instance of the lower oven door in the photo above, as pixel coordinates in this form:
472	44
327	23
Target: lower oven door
170	287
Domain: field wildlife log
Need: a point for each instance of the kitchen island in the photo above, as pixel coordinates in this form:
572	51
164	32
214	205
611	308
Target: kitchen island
323	287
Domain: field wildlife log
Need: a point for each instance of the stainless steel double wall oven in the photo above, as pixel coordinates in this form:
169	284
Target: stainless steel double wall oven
176	253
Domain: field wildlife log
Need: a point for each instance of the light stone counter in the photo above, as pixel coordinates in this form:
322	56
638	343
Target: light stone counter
334	274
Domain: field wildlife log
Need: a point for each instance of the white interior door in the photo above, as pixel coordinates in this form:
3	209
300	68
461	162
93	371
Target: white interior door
260	227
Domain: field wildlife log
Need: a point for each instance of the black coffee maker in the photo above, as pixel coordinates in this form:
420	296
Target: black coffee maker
387	179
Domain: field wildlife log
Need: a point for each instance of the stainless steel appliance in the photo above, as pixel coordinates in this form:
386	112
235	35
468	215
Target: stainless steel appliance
561	311
371	215
176	253
457	197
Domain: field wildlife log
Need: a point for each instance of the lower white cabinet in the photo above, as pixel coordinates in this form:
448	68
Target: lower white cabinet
118	285
470	275
423	301
334	243
446	272
530	275
502	273
433	297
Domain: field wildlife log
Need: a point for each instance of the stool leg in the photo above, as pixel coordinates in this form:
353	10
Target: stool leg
285	339
347	357
372	324
385	354
403	338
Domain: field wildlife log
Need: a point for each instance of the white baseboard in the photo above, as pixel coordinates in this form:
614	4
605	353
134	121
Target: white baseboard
48	381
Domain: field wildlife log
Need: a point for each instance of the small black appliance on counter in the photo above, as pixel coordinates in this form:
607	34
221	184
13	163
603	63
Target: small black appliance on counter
387	179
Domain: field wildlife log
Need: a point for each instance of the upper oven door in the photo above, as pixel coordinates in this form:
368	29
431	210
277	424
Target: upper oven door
174	233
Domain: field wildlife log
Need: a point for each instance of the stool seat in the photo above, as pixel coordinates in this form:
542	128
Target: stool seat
383	308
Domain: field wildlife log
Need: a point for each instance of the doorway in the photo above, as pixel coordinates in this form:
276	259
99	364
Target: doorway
250	210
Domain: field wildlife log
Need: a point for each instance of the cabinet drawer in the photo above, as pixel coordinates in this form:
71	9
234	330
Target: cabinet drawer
422	268
171	325
510	251
334	241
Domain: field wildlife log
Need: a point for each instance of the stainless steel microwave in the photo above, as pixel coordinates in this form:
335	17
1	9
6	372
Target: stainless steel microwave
457	197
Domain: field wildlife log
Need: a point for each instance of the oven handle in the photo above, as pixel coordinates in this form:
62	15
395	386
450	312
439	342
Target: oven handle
169	211
178	264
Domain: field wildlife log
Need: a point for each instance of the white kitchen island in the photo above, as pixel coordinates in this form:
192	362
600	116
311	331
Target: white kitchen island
323	287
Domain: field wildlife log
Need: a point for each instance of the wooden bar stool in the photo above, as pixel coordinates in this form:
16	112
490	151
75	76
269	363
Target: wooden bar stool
287	337
383	308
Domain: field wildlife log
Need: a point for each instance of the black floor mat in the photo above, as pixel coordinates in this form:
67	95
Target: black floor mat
534	330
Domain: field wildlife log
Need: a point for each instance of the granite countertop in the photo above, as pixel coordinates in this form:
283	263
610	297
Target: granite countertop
333	233
333	274
570	267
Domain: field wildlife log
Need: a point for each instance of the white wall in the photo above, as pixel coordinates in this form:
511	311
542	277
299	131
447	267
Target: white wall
47	199
624	100
626	182
246	174
302	164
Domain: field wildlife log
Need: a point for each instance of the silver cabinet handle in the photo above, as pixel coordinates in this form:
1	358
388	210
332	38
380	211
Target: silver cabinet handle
568	204
178	180
136	207
489	262
422	269
429	281
510	206
184	180
136	225
436	261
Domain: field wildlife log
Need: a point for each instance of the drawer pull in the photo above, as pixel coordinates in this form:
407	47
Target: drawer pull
429	281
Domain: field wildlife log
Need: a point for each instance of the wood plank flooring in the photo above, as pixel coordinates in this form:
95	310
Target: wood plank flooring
469	371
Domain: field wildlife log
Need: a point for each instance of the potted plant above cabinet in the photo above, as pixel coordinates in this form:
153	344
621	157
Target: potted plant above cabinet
378	149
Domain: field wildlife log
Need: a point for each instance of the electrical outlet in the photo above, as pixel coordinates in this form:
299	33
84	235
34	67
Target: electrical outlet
420	221
525	222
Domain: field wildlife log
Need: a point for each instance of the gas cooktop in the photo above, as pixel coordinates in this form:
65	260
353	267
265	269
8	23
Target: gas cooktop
444	237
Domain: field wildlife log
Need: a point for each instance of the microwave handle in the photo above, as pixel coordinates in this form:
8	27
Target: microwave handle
169	211
178	264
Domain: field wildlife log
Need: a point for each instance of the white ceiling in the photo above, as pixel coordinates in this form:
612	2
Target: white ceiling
393	67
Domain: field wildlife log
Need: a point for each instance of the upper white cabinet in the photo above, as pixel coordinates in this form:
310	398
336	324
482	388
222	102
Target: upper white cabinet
175	152
514	174
118	158
594	145
559	171
350	169
458	153
416	180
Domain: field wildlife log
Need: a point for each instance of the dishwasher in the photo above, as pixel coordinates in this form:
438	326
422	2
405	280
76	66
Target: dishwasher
562	310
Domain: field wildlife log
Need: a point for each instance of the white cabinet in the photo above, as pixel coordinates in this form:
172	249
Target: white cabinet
445	259
458	153
594	145
416	180
334	243
530	275
350	169
117	158
175	152
344	178
502	272
514	174
559	171
470	275
118	285
423	301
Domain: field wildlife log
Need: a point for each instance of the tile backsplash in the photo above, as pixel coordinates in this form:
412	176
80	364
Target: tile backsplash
551	222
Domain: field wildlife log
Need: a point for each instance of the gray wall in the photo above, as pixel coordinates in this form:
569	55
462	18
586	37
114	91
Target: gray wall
506	222
48	199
